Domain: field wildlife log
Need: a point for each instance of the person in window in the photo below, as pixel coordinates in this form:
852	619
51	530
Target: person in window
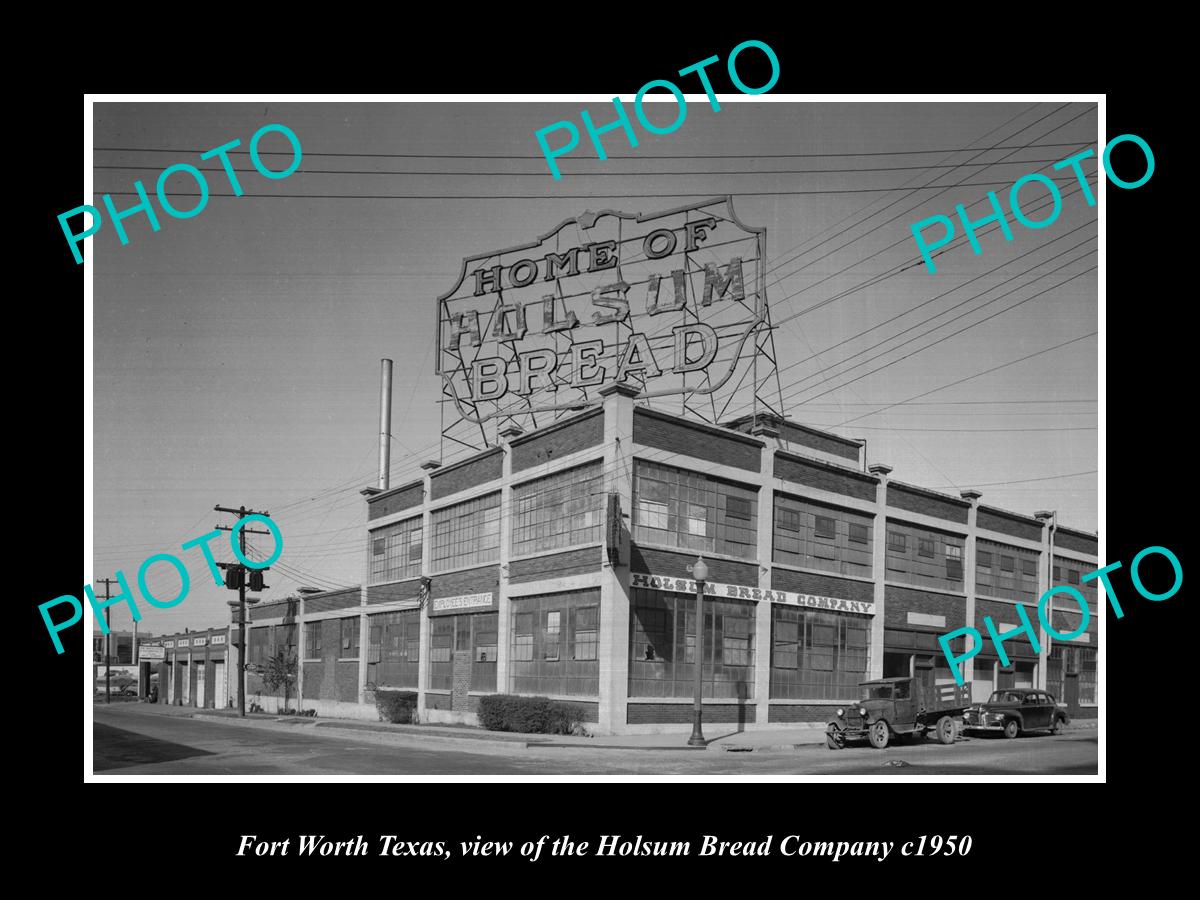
154	693
650	654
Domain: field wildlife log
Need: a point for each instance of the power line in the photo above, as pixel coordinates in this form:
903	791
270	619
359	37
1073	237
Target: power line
610	174
1021	480
641	196
576	158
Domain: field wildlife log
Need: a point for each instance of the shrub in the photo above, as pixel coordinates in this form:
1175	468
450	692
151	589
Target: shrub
396	706
529	715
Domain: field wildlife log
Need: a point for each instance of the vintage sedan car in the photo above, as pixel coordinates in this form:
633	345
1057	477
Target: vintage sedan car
1015	710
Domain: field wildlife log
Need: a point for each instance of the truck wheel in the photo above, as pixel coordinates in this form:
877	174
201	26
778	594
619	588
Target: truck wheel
1012	728
879	735
1057	727
835	737
945	730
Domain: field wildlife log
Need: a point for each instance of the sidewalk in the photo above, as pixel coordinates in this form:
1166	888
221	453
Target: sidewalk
796	737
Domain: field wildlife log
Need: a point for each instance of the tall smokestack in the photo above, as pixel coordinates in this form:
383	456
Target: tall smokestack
385	422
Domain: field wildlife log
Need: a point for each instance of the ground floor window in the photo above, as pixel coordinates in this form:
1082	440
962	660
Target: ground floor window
554	644
1068	663
467	640
817	656
394	649
662	646
1019	673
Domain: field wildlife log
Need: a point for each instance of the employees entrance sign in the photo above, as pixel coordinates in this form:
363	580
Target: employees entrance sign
743	592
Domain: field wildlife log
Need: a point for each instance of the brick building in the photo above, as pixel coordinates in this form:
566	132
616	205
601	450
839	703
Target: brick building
193	669
497	573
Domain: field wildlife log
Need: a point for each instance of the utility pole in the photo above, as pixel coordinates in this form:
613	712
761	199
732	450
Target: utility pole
241	512
107	643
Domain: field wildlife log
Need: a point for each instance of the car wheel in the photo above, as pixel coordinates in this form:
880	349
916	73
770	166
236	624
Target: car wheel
946	730
835	737
879	735
1012	728
1057	727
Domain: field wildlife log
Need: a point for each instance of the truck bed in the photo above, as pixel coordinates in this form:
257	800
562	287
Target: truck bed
946	697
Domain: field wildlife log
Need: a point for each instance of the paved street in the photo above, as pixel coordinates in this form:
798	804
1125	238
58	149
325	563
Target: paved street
132	740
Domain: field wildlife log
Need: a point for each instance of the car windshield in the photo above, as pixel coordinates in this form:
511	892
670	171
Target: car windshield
877	692
1005	697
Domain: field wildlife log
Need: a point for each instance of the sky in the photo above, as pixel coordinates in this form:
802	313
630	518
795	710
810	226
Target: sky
236	353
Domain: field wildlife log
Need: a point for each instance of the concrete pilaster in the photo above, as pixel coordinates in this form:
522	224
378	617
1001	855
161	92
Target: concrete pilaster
300	652
504	613
1049	521
879	569
614	580
762	614
426	568
969	556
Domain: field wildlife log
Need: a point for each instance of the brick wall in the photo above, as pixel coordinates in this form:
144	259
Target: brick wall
559	440
282	609
901	497
437	700
651	429
660	713
899	602
346	677
488	466
386	593
826	478
826	443
556	565
678	565
344	599
1008	523
405	497
1080	543
800	712
822	585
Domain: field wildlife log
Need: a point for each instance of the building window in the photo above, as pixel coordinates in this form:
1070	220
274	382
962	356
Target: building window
1007	563
560	510
925	547
466	534
662	646
522	648
1057	574
349	643
817	656
396	551
983	561
555	641
897	542
587	635
552	634
312	640
689	511
954	568
1029	568
816	536
1072	576
394	649
285	639
441	639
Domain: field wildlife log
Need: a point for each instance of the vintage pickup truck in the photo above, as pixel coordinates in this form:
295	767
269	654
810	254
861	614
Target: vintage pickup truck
899	706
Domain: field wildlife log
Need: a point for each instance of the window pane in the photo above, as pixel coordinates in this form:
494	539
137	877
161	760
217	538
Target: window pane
396	551
825	527
466	534
858	533
562	510
689	511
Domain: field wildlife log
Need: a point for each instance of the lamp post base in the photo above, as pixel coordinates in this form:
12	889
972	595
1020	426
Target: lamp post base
697	738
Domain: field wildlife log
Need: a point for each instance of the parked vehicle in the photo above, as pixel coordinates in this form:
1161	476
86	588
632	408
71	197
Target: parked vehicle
1015	710
891	707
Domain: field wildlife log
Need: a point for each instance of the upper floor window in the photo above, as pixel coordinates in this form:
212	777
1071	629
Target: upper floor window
560	510
396	551
466	534
677	508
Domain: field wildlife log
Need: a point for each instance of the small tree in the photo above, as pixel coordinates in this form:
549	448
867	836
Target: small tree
278	672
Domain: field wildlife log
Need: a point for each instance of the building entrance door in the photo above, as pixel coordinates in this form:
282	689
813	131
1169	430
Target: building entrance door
220	689
200	667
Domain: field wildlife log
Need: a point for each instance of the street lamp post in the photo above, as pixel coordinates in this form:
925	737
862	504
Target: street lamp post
700	575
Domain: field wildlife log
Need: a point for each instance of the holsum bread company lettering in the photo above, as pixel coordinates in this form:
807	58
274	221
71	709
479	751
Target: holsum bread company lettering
743	592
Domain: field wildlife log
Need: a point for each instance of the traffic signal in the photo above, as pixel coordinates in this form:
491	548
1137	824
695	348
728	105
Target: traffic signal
233	578
256	581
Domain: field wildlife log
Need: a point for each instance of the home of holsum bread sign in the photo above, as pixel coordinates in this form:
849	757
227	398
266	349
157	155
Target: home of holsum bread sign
671	302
